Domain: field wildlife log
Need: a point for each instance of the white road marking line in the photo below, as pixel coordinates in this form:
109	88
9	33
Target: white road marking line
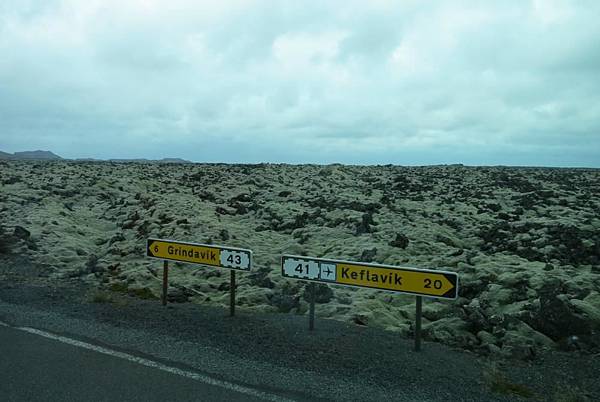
149	363
4	324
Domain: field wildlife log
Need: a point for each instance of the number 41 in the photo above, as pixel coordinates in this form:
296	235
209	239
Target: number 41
300	269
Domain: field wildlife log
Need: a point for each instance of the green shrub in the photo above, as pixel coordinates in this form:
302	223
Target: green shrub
119	287
99	296
499	383
143	293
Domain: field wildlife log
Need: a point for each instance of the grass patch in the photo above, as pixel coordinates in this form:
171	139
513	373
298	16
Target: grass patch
143	293
5	244
119	287
105	296
569	393
140	293
499	383
100	296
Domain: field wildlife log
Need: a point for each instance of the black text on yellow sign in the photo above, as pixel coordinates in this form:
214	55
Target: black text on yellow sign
203	254
439	284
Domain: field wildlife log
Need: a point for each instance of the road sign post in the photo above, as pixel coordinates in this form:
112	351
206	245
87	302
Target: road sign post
232	294
311	313
419	308
235	259
165	284
419	282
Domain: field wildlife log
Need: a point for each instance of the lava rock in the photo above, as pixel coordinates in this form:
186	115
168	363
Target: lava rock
177	296
223	211
143	229
5	242
286	299
91	266
261	279
476	317
368	255
401	241
240	209
323	293
364	226
21	233
493	207
556	317
503	216
285	303
224	235
518	351
12	180
472	287
116	238
360	319
243	197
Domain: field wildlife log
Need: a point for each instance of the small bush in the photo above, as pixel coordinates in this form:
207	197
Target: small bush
499	383
118	287
142	293
4	246
5	242
569	393
104	296
100	296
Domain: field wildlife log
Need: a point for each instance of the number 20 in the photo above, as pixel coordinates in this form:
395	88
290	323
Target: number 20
437	284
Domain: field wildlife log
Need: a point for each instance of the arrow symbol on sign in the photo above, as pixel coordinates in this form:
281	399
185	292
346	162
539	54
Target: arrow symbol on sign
149	250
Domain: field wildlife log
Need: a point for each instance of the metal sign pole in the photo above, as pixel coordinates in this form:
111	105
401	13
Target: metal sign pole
165	282
311	313
418	323
232	294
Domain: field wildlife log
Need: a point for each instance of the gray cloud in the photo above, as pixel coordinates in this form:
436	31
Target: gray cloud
353	82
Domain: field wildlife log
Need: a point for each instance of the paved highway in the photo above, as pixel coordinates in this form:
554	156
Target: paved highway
193	352
38	368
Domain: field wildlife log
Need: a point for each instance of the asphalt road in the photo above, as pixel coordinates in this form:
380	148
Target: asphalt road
274	356
255	355
36	368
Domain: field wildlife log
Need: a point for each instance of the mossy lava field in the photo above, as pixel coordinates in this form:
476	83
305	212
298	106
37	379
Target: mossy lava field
525	242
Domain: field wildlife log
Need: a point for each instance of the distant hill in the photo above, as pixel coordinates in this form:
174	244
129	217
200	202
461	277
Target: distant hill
143	160
137	160
174	160
47	155
36	155
30	155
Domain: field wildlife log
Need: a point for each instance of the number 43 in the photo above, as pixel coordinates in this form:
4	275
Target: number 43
234	259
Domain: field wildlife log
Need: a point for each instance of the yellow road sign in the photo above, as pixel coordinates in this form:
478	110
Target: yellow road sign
440	284
204	254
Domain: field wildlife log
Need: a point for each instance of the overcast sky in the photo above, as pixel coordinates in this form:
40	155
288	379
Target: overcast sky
361	82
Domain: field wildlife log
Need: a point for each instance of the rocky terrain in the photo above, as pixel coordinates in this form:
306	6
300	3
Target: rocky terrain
525	241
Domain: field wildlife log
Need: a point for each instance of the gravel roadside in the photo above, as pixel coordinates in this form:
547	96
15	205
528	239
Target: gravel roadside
337	361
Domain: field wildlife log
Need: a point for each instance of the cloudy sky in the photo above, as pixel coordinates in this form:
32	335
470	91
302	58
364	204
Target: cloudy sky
377	82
